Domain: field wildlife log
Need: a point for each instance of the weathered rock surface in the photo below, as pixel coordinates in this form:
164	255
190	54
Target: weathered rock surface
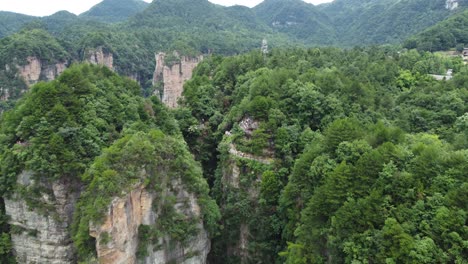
117	237
34	69
31	71
174	76
451	4
4	94
51	72
233	178
43	237
99	57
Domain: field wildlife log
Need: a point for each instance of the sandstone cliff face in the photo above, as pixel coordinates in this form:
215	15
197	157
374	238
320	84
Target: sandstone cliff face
174	76
43	237
117	237
99	57
34	69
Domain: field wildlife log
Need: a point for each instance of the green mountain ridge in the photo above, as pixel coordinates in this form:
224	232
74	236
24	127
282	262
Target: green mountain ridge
11	22
384	21
114	10
300	155
297	19
340	23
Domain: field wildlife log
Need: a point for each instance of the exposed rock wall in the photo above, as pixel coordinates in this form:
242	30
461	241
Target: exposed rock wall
34	69
124	217
233	181
174	76
99	57
43	237
451	4
126	214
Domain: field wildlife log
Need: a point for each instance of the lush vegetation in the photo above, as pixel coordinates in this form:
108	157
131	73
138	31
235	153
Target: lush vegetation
448	34
357	156
12	22
153	160
114	10
194	27
299	20
60	130
359	22
317	155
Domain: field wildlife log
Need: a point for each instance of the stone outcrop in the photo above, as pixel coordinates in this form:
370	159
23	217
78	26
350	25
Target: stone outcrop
451	4
4	94
174	76
99	57
51	72
234	177
35	70
43	236
117	237
31	71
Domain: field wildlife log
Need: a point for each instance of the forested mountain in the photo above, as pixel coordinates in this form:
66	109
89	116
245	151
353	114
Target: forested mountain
384	21
114	10
445	35
270	152
342	23
333	156
12	22
298	20
204	26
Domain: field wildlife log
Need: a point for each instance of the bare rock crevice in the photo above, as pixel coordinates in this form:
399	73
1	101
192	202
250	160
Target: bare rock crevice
43	237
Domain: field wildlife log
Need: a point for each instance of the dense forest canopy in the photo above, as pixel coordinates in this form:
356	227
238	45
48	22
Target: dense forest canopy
83	128
194	27
369	154
298	153
114	10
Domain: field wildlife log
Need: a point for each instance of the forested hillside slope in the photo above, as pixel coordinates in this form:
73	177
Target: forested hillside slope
76	150
280	150
114	10
333	156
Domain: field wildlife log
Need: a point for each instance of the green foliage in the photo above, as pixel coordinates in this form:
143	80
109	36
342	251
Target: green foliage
445	35
114	10
60	129
383	21
12	22
56	141
367	154
146	158
299	20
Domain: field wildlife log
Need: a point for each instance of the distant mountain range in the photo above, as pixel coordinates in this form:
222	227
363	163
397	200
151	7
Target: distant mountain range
342	23
133	30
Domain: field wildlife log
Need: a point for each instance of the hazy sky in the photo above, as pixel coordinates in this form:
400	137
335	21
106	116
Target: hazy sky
48	7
